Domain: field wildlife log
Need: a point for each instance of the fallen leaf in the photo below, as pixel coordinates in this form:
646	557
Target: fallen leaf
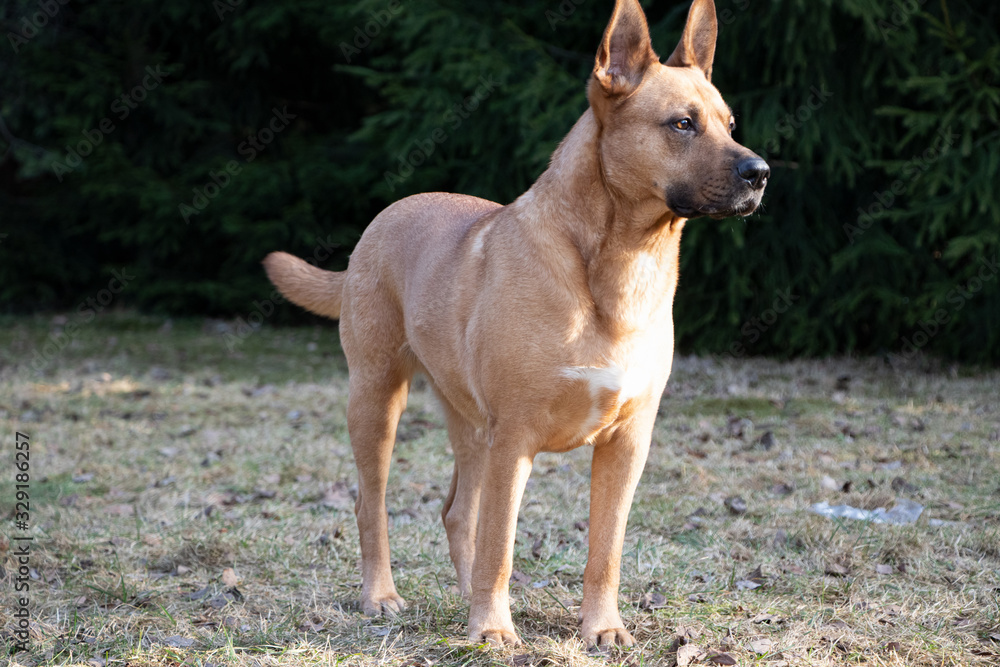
765	618
893	646
536	549
735	504
882	568
900	485
338	496
688	654
521	659
738	427
219	601
119	510
829	483
520	578
176	641
229	577
722	659
782	489
652	600
754	579
780	539
197	595
309	625
761	646
686	632
835	570
766	441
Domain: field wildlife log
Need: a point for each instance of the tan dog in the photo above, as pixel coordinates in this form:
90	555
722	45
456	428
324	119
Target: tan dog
542	325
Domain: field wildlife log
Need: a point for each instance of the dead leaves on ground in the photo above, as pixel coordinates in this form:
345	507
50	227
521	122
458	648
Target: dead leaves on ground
687	652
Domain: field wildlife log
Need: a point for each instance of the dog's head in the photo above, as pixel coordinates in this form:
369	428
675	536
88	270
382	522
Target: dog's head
665	130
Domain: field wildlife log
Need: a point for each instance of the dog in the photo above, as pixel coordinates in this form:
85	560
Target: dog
542	325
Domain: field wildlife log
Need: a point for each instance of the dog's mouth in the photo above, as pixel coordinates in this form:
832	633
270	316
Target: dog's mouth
716	210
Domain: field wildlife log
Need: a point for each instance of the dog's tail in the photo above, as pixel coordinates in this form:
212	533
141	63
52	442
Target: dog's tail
303	284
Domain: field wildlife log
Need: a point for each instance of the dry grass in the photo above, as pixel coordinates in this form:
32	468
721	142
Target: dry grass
159	460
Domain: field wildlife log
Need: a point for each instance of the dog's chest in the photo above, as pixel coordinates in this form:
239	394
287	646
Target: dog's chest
596	397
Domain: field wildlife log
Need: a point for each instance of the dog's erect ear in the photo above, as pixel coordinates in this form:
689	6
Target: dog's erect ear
697	45
625	52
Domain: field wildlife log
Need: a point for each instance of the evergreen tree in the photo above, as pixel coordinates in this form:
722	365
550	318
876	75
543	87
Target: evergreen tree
215	132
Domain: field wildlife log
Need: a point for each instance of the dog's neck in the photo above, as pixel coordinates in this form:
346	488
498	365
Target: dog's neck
628	249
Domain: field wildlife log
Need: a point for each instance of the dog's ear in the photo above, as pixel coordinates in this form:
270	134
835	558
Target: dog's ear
697	45
625	52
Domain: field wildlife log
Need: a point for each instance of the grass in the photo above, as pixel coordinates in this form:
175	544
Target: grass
160	459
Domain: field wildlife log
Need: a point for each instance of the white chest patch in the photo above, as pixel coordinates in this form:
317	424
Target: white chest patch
623	384
626	383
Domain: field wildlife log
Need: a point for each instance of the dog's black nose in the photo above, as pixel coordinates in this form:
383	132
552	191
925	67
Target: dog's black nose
754	171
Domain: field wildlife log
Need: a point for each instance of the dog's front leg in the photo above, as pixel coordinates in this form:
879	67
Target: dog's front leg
507	472
614	473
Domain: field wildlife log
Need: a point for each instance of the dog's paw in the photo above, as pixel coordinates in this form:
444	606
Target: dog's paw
608	637
496	637
388	605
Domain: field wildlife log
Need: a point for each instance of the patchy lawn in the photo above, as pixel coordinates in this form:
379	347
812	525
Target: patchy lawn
194	505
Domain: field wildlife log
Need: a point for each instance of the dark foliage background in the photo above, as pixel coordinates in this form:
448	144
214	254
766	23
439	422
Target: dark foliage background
887	108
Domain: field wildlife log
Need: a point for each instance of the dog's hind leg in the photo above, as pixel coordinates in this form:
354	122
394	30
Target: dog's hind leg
461	509
381	367
373	412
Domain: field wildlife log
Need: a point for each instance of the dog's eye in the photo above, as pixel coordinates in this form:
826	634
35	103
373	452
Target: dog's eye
732	126
683	124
